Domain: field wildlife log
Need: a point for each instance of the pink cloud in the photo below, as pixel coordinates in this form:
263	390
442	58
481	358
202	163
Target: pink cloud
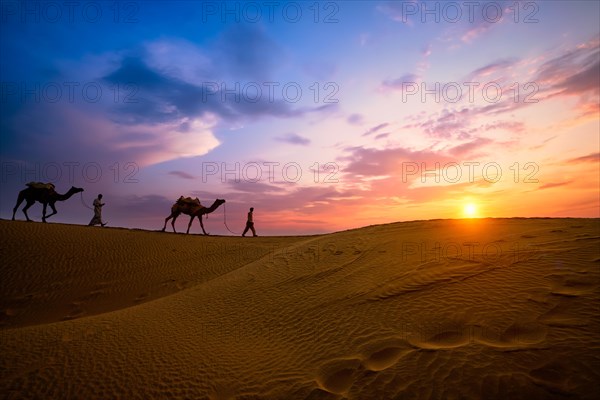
593	158
553	185
181	174
469	148
365	162
375	129
574	72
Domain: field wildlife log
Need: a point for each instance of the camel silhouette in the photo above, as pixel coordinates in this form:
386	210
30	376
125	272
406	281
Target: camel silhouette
193	208
45	194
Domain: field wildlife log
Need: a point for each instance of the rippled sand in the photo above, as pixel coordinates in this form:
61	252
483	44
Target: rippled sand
441	309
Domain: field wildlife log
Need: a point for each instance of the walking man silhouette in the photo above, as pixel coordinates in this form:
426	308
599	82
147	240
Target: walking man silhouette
97	219
250	223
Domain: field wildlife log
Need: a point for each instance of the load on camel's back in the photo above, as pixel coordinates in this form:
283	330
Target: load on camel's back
188	201
41	185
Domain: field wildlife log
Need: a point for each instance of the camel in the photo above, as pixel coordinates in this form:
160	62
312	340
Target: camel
193	208
45	194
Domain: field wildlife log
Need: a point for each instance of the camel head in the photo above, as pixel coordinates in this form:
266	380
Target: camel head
75	189
218	202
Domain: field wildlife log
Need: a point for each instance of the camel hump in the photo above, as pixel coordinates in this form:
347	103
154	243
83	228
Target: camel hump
41	185
189	201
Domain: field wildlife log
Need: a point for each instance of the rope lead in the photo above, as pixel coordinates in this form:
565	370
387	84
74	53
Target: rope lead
225	219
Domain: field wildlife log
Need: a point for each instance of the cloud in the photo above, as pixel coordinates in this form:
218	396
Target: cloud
512	126
181	174
375	129
294	139
181	59
399	83
255	187
161	98
382	135
476	31
541	145
368	162
486	15
246	52
448	124
591	158
355	119
134	206
469	148
400	11
552	185
574	72
273	202
106	141
491	69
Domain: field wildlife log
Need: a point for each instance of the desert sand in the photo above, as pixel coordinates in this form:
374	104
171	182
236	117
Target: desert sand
440	309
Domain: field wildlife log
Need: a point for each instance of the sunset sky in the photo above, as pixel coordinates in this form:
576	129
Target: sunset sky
322	116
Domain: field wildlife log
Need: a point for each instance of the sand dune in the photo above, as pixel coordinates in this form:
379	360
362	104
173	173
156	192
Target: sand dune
441	309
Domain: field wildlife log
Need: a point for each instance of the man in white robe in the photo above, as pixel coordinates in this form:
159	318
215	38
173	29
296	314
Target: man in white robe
97	219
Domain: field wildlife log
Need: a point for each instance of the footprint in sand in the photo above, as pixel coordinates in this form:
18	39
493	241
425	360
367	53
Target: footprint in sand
385	353
570	284
573	287
141	297
94	294
338	376
517	335
385	358
76	312
553	376
562	314
448	338
172	283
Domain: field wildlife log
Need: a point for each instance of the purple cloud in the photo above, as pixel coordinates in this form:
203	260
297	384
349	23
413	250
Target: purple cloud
399	83
294	139
355	119
375	129
469	148
182	174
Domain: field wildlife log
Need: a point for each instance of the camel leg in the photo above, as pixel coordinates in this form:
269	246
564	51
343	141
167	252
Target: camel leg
53	207
173	215
190	224
202	225
45	205
167	220
173	222
29	204
19	201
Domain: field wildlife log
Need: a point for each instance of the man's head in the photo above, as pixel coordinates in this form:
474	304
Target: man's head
251	209
99	196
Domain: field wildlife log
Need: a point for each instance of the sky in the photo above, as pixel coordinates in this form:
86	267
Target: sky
323	116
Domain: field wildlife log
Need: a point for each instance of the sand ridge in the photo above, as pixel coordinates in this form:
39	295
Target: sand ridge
491	308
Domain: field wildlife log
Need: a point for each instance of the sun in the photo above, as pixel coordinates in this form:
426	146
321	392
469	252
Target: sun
470	210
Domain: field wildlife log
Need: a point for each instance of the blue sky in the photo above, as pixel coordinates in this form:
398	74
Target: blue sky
338	155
